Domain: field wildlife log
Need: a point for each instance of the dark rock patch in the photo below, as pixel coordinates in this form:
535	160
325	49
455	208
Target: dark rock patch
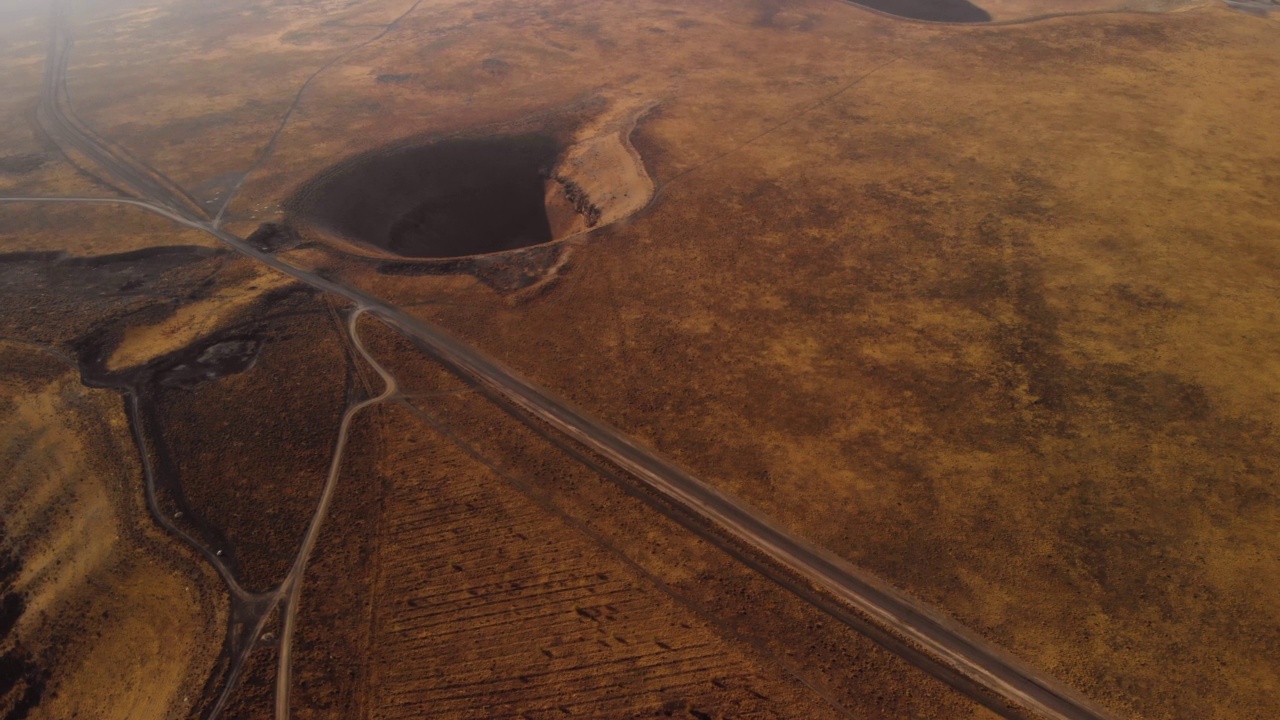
200	365
274	237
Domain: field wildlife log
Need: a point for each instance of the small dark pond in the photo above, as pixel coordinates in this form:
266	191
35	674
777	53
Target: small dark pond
444	199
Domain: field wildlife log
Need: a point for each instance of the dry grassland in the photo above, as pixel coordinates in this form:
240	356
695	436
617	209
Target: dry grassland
114	623
997	323
477	450
990	311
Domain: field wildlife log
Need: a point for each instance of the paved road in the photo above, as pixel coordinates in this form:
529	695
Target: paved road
941	638
83	146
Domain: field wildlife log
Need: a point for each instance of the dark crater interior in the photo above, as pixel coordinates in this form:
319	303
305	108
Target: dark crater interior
21	164
448	198
955	11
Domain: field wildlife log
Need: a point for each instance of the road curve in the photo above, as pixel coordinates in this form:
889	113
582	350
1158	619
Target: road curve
292	585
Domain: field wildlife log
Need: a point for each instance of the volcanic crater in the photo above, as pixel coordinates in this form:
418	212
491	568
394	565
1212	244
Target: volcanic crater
941	11
444	199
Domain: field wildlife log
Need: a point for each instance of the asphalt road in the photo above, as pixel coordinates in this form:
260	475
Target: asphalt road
906	617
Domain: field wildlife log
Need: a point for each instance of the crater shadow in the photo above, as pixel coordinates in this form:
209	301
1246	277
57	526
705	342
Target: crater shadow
445	199
952	11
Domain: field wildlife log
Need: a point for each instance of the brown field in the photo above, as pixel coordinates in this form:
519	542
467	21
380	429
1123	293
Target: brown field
993	353
990	311
482	457
111	623
522	615
213	433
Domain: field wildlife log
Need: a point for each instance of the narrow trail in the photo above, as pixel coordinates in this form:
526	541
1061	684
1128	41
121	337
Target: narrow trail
249	611
287	595
149	477
292	585
297	101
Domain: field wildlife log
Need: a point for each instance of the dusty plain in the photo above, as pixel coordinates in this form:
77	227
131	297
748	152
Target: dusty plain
989	310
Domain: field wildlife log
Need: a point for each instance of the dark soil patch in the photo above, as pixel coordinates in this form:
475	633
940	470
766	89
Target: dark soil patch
450	198
242	430
496	67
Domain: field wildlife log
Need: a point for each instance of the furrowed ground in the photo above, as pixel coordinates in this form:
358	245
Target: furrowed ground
503	558
485	600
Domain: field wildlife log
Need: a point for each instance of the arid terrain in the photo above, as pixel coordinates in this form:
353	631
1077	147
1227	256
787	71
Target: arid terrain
743	359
